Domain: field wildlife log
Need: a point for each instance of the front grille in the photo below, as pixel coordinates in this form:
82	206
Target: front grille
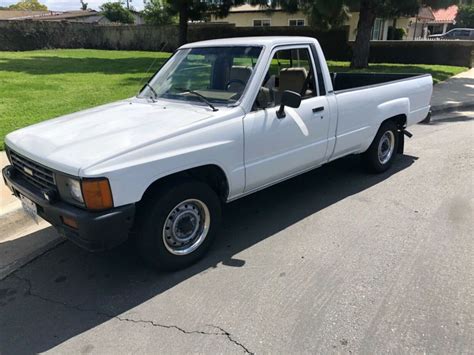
36	174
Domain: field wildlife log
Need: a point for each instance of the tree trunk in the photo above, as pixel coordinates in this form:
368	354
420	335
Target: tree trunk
361	49
183	22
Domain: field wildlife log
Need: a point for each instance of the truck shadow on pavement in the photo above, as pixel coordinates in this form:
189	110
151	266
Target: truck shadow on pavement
67	291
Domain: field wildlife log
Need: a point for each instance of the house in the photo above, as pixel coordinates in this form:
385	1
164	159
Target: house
444	19
83	16
7	15
407	28
257	16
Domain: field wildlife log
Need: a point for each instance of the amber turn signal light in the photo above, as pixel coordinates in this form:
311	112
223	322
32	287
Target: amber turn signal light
71	222
97	194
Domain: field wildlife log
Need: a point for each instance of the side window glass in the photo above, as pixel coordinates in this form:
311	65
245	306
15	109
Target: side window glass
290	69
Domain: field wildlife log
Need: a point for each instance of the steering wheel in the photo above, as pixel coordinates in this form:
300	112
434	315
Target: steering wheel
237	81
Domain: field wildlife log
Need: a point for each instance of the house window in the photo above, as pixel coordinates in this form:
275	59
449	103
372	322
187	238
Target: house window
296	22
377	30
261	23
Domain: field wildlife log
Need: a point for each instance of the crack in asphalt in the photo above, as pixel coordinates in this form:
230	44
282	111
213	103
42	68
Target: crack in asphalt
223	332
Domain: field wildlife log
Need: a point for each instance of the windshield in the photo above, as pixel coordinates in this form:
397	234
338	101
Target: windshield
216	74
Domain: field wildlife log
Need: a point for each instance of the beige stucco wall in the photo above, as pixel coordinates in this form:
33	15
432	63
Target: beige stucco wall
280	18
245	19
402	22
352	23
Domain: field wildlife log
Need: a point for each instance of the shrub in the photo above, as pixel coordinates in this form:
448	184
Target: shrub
465	16
396	34
158	12
115	12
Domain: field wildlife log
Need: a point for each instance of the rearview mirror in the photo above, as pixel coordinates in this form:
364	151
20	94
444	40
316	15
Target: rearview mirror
290	99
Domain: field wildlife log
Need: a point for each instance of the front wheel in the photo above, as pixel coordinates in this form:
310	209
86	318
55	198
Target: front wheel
177	223
383	150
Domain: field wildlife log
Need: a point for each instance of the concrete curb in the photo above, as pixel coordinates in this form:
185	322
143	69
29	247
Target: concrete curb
19	263
451	107
22	240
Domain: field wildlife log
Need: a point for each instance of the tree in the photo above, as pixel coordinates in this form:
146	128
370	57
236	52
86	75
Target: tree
83	5
28	5
369	10
158	12
331	13
196	10
186	10
465	16
115	12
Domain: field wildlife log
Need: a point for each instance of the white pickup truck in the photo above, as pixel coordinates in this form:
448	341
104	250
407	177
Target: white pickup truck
220	120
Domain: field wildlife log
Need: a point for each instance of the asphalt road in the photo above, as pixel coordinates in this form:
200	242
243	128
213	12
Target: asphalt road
334	261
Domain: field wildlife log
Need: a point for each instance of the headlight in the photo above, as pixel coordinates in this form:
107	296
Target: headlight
94	194
70	189
74	189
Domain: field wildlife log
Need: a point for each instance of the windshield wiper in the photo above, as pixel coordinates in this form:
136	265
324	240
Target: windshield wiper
153	91
202	97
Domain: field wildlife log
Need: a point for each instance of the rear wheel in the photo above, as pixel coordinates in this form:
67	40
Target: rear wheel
177	223
383	150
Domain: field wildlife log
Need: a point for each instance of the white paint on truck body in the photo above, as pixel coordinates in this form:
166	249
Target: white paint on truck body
135	142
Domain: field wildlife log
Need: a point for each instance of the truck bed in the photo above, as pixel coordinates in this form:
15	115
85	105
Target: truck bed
348	81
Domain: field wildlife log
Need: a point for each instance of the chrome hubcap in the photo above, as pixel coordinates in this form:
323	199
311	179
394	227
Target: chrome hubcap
186	227
386	147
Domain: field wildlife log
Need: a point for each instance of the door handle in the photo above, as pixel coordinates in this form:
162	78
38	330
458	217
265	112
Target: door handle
318	109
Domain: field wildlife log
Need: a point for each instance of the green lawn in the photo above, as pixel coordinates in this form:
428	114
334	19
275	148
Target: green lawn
39	85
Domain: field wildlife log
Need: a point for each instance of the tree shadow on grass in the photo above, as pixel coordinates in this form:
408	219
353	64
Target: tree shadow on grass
44	65
69	291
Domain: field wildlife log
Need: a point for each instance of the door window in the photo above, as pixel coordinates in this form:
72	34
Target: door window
290	69
377	31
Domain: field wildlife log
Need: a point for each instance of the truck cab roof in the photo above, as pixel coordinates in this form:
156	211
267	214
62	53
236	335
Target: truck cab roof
246	41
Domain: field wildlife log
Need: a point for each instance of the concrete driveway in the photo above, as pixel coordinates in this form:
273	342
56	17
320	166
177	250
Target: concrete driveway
334	261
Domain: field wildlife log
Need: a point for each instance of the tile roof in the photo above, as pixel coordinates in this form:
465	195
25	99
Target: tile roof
252	8
446	15
14	14
426	13
68	15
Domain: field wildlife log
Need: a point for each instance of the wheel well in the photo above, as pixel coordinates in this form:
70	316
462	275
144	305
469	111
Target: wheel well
399	120
213	175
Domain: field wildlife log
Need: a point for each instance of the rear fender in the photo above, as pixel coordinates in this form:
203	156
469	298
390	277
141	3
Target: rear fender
393	108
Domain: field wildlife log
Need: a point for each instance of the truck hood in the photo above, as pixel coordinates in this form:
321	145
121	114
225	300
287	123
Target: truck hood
76	141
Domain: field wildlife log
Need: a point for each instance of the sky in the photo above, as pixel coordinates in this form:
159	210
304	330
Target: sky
64	5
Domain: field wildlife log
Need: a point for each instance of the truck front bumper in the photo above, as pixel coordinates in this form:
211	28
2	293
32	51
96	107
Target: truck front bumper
95	231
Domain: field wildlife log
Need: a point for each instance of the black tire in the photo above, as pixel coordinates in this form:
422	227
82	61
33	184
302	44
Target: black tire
427	119
154	212
371	156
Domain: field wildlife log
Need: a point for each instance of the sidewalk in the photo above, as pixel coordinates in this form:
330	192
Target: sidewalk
8	202
454	93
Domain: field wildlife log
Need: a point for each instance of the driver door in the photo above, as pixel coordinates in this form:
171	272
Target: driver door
277	148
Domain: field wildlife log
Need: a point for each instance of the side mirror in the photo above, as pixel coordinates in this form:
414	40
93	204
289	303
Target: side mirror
264	99
290	99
